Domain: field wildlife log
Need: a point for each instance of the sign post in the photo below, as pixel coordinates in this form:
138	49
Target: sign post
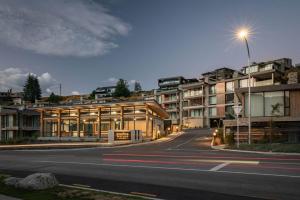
237	110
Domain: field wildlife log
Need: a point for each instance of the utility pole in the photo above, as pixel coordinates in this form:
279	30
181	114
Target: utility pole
60	89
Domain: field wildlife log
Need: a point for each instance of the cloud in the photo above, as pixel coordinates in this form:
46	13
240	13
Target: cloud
75	93
62	28
15	78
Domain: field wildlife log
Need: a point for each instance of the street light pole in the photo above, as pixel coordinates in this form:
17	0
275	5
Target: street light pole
249	91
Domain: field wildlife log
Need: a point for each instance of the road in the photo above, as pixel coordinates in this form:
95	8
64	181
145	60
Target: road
184	168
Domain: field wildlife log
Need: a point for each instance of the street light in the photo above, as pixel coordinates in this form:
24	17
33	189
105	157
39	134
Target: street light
243	34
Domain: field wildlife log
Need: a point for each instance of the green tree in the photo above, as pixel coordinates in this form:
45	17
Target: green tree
137	86
32	90
54	98
92	95
122	89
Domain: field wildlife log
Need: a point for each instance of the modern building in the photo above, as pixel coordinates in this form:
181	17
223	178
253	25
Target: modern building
271	106
103	92
93	121
208	101
11	98
17	122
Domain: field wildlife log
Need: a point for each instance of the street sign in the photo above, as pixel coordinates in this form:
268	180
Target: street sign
237	109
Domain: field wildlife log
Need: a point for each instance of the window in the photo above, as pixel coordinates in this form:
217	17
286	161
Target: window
212	111
229	98
252	69
267	67
244	83
229	86
196	113
257	104
212	100
274	103
212	89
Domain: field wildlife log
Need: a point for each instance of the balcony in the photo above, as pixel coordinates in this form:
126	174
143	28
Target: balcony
170	100
263	83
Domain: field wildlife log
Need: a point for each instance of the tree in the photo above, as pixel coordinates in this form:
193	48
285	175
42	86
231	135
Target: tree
92	95
122	89
54	98
32	89
137	86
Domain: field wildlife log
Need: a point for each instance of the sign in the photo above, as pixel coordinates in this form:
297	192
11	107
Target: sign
237	109
122	136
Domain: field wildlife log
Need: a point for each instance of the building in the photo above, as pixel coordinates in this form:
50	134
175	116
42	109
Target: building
93	121
11	98
168	95
104	92
17	122
274	106
208	101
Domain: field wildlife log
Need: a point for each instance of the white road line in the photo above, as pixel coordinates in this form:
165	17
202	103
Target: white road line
179	145
169	168
220	166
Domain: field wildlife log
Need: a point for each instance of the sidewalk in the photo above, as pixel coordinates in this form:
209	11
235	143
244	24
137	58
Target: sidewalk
223	148
72	145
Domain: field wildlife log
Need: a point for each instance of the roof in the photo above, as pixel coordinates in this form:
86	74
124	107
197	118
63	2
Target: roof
151	103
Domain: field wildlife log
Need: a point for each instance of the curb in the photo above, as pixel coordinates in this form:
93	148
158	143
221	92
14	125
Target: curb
255	152
110	192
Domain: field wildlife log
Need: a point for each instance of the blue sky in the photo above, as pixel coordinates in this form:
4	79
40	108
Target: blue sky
84	44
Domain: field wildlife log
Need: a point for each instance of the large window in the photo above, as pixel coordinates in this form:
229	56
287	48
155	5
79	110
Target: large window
229	98
212	100
196	113
212	89
212	111
274	103
267	104
229	86
257	104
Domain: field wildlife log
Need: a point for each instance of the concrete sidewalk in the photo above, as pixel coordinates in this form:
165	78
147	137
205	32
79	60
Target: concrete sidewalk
72	145
4	197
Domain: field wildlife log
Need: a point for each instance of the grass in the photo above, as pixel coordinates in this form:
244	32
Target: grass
275	147
58	193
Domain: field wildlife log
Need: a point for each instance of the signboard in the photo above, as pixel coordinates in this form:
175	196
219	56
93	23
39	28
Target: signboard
122	136
237	109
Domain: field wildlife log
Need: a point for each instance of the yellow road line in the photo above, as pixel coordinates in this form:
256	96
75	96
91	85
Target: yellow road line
143	194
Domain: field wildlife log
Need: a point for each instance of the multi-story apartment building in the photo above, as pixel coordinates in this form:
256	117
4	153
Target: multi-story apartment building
208	101
17	122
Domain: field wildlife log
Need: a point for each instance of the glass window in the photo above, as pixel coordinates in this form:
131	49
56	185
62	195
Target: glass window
196	113
274	103
257	104
212	111
229	98
229	86
212	89
212	100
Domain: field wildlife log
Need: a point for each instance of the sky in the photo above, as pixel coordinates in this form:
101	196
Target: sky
85	44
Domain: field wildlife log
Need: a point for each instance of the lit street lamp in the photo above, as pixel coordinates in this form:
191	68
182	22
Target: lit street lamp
243	35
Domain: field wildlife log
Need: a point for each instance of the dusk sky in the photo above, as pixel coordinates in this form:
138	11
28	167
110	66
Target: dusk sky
85	44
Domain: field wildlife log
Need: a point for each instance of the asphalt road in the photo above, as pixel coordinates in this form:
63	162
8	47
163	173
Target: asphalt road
184	168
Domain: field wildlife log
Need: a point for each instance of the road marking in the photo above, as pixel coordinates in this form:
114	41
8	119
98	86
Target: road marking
168	168
179	145
220	166
109	192
227	161
143	194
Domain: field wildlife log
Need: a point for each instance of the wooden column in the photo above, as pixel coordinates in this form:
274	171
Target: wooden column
59	124
78	122
134	118
147	122
122	118
42	123
99	123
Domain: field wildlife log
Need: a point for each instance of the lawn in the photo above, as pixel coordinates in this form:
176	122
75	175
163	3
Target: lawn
58	193
275	147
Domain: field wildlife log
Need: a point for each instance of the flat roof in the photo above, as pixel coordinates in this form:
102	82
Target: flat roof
151	103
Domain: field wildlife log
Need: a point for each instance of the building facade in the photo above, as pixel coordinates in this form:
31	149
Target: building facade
208	101
93	121
17	122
